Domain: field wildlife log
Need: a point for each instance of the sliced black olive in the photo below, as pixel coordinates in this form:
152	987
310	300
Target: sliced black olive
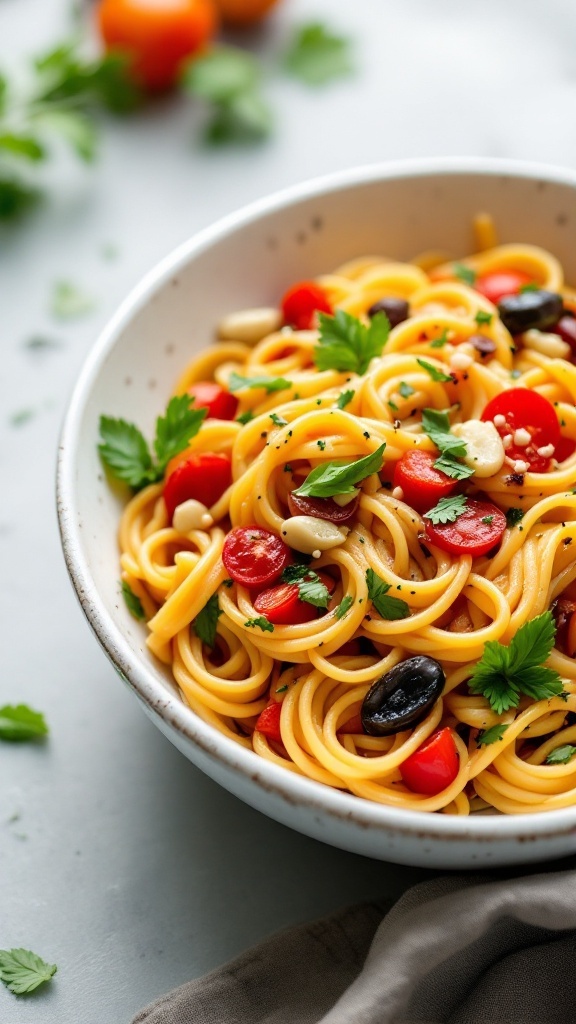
397	310
484	345
530	309
402	697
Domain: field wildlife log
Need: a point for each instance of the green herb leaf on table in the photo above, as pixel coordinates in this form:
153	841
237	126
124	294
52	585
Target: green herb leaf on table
133	602
22	971
448	509
206	622
261	622
310	586
433	372
561	755
68	301
269	384
344	606
316	55
504	673
19	723
387	607
345	343
332	478
491	735
229	79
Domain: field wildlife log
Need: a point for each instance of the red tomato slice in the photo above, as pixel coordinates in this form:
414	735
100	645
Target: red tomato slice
432	767
268	721
499	283
475	532
221	405
423	485
283	606
571	637
203	476
254	556
301	303
564	449
323	508
521	407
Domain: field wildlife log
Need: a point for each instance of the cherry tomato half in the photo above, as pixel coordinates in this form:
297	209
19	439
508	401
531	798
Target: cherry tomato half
423	486
283	606
208	395
433	766
268	721
475	532
301	303
255	557
499	283
571	637
323	508
203	476
157	36
521	407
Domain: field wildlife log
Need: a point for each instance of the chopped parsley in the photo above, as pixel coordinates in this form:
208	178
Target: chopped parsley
126	453
277	420
482	318
262	624
310	586
345	398
448	509
405	389
434	372
437	426
464	274
269	384
486	736
440	341
321	445
561	755
344	606
513	517
206	622
345	343
133	602
387	607
245	417
487	520
340	477
504	673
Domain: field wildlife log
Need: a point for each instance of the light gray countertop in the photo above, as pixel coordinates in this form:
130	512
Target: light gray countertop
119	860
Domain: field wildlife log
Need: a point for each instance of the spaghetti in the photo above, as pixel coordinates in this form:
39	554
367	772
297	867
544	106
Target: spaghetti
294	689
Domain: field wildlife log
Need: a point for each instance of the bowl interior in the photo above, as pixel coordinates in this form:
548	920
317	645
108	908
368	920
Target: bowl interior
248	260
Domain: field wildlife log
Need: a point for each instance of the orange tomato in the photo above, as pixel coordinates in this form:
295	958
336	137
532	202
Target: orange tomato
243	12
157	35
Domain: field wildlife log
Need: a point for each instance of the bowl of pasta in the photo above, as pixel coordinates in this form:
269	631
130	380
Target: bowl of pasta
316	494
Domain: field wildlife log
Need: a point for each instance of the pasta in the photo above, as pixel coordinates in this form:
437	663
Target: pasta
393	588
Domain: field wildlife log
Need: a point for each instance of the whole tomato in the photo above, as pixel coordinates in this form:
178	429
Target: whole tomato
157	35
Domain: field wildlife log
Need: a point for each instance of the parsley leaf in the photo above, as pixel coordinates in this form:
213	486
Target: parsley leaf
440	341
228	78
19	723
277	420
270	384
316	55
344	606
448	509
345	398
69	302
23	971
387	607
345	343
457	470
437	426
405	389
503	673
561	755
513	517
133	602
245	417
482	317
261	622
464	274
434	372
340	477
125	451
206	621
310	586
486	736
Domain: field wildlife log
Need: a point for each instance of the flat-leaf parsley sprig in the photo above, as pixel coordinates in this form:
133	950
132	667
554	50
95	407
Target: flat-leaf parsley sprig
437	425
126	453
310	587
332	478
504	673
345	343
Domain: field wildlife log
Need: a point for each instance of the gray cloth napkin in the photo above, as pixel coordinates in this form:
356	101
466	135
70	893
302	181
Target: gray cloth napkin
454	950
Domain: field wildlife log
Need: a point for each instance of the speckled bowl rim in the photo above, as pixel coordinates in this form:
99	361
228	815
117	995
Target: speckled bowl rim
294	789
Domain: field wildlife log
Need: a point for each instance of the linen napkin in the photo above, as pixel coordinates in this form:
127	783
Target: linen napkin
457	949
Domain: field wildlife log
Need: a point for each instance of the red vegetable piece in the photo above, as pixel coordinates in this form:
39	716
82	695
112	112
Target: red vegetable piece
255	557
268	721
499	283
203	476
221	405
522	407
433	766
566	329
423	486
301	303
283	606
323	508
475	532
564	449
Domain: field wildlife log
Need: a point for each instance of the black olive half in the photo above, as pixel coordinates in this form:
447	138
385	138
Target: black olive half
396	310
530	309
402	697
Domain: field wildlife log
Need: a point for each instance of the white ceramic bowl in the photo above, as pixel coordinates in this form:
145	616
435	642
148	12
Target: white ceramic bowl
247	260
